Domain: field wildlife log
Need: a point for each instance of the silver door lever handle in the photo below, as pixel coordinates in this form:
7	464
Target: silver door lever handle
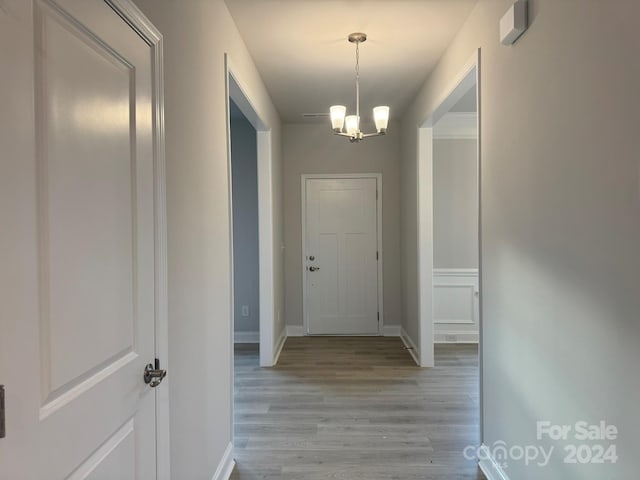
153	376
313	269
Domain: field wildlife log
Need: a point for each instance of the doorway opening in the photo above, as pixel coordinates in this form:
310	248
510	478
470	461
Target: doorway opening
244	188
455	223
449	262
265	269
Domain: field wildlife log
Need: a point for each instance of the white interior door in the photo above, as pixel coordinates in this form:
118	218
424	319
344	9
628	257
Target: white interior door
341	256
77	215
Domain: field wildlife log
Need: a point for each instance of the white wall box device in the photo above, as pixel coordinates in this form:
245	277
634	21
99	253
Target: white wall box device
513	23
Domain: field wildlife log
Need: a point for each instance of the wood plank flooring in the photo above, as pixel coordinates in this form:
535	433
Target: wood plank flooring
355	408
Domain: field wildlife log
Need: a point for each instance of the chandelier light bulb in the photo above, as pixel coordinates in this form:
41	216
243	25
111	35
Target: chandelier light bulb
337	117
352	124
381	117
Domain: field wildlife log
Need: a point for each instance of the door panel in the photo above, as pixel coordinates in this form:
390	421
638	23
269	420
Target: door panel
86	203
341	235
81	318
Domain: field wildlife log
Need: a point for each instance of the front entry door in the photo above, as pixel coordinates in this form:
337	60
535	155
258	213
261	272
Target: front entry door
341	256
77	236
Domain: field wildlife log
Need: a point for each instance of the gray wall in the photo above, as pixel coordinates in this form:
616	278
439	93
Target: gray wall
560	193
455	203
244	155
196	37
312	148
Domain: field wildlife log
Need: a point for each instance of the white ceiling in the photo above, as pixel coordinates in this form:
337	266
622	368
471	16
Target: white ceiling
301	50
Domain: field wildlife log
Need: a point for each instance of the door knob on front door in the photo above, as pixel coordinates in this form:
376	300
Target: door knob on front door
154	376
313	269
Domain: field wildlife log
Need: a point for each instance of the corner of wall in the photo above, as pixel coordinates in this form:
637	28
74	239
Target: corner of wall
410	345
282	338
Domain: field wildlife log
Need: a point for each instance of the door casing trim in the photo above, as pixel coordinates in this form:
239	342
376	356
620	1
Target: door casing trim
237	91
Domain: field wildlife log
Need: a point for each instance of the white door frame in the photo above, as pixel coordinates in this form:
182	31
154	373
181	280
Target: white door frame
143	27
460	84
378	178
238	93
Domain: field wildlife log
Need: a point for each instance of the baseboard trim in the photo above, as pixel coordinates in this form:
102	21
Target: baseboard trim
246	337
411	346
295	331
226	465
460	337
387	331
491	469
392	331
279	346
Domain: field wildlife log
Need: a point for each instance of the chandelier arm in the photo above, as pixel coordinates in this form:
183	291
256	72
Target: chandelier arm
365	135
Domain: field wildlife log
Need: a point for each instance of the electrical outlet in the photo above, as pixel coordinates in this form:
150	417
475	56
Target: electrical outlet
245	310
450	338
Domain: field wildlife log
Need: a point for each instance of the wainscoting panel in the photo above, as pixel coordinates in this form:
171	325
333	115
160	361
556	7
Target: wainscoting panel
455	305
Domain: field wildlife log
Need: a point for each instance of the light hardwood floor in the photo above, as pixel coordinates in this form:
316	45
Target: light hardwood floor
355	408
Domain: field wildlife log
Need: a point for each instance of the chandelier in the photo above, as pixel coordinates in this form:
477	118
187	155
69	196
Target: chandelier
349	125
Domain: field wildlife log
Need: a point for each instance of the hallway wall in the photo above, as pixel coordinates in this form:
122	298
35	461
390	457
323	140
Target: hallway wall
312	148
196	36
560	221
455	203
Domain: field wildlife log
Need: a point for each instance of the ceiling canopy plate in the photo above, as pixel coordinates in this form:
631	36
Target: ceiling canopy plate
357	37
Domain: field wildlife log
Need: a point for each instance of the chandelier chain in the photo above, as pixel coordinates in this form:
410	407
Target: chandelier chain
358	82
